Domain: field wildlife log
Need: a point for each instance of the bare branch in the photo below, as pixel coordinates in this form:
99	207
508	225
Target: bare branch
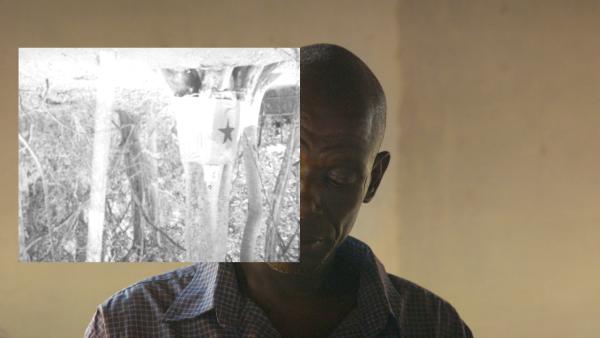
39	165
137	202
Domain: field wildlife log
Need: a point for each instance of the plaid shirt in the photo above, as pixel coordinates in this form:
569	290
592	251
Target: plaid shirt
204	300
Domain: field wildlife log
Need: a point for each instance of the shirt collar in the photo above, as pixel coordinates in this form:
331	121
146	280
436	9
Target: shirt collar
377	299
197	297
215	286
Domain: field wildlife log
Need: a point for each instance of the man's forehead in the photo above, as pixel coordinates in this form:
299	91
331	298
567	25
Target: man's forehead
335	128
323	110
340	98
331	121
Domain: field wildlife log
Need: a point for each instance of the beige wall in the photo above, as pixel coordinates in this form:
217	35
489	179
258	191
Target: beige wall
500	178
491	198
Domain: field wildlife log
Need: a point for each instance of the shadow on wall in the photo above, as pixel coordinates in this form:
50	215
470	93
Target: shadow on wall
3	333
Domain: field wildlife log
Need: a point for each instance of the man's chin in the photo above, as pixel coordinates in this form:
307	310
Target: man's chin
312	260
305	267
300	269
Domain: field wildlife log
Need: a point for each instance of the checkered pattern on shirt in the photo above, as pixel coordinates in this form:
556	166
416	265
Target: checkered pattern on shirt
204	300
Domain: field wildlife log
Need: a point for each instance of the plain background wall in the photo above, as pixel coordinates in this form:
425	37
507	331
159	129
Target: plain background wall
500	167
491	200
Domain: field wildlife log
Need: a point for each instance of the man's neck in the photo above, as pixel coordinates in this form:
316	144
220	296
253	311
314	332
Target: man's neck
312	303
260	281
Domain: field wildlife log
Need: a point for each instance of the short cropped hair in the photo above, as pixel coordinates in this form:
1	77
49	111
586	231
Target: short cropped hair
339	73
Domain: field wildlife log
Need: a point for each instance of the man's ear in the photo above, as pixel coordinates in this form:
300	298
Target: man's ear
379	166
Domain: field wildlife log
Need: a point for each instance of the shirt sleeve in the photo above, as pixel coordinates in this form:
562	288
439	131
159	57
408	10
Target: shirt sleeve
95	328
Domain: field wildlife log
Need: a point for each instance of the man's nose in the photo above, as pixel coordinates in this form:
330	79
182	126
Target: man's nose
310	197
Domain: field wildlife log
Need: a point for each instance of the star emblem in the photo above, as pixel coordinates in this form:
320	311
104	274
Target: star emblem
227	132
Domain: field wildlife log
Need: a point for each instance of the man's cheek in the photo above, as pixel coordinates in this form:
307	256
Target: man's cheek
344	200
344	207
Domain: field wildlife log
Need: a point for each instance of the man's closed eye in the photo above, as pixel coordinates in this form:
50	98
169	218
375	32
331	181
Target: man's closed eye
341	176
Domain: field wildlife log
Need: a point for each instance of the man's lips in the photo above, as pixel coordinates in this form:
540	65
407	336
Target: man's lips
315	234
315	242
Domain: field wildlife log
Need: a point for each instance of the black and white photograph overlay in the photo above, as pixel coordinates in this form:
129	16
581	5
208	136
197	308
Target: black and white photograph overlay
159	154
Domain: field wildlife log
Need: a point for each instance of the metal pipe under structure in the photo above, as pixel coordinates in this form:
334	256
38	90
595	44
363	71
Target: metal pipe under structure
213	107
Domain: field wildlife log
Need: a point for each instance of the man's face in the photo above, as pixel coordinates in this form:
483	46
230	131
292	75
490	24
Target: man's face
336	162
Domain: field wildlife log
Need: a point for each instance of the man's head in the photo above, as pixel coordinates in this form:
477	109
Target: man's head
342	124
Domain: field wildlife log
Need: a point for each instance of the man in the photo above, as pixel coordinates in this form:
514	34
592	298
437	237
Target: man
339	288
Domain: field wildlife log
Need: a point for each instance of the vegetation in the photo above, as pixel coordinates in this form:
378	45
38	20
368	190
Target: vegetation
145	194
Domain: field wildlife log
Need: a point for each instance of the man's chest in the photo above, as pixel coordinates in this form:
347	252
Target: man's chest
319	318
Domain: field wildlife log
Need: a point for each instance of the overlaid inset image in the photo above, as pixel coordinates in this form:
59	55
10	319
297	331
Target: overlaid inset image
156	155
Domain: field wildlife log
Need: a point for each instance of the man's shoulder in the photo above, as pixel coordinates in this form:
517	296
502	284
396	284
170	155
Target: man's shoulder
138	309
171	280
419	311
151	296
419	305
413	295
